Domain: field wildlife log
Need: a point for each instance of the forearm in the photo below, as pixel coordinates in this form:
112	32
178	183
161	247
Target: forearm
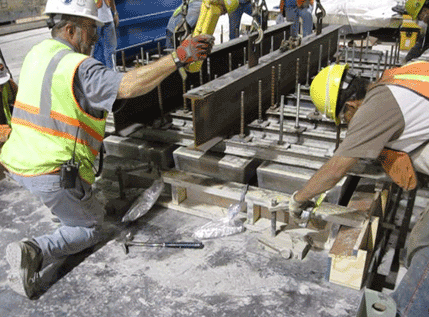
142	80
326	177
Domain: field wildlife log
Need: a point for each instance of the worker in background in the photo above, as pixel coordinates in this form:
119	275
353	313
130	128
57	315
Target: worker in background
235	10
388	122
194	7
58	127
107	42
244	6
8	90
292	10
419	10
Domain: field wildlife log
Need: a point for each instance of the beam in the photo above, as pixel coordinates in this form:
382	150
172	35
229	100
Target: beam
216	106
145	109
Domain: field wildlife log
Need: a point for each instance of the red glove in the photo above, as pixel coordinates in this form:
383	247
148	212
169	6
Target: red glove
194	49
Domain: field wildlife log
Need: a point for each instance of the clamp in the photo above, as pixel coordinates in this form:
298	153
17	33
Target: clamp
320	14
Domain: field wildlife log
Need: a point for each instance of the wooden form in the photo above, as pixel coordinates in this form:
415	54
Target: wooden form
210	198
353	248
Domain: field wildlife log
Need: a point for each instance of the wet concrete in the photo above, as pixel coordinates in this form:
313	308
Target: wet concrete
230	276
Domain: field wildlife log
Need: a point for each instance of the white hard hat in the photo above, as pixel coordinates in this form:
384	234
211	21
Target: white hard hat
82	8
4	74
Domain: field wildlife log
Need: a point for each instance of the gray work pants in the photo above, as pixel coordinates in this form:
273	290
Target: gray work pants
80	213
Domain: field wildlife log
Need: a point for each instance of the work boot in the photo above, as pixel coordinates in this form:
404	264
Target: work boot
25	259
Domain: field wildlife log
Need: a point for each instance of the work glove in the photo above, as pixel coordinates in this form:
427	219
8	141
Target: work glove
193	49
296	208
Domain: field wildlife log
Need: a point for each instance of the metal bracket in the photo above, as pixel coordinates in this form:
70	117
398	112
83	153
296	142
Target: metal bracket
320	14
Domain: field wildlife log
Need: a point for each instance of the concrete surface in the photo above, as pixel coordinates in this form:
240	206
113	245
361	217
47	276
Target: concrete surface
232	275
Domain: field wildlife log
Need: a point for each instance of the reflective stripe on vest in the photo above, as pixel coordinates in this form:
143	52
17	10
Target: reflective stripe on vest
414	76
47	123
179	9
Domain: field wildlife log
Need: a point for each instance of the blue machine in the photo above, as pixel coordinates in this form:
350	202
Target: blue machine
142	24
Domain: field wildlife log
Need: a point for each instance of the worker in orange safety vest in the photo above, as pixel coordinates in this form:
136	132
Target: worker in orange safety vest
388	121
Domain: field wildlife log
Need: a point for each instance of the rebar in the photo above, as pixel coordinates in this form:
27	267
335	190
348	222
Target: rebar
307	83
282	104
201	77
242	116
185	102
320	57
298	99
123	61
244	55
260	101
386	59
273	85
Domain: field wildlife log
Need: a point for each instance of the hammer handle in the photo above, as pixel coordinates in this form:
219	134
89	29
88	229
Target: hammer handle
187	245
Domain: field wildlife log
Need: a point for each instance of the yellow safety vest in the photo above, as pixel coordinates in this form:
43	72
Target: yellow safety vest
48	124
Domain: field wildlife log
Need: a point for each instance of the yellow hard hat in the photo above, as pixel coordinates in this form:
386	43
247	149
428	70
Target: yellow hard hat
414	7
231	5
325	89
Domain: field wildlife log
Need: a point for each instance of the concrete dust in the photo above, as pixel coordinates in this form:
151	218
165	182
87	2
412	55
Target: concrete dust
230	276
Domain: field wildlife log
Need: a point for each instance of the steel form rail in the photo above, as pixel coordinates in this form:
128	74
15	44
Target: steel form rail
145	109
216	106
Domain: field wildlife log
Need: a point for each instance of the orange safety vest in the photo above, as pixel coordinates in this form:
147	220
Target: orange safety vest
397	164
414	76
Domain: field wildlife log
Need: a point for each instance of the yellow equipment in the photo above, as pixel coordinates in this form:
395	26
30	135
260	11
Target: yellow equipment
325	88
413	7
210	12
409	32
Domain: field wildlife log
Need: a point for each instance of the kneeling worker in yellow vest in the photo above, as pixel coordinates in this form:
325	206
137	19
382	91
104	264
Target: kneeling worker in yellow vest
387	121
58	127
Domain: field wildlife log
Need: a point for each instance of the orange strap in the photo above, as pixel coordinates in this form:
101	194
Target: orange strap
4	132
300	3
399	167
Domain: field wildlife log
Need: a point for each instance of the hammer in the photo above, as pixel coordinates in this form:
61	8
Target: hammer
181	245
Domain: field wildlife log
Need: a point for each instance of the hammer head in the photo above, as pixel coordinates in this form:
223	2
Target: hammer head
124	238
125	247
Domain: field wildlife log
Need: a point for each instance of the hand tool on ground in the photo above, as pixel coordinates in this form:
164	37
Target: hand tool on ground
179	245
127	241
